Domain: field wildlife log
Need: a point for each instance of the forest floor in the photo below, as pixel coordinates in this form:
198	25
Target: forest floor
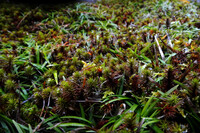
111	66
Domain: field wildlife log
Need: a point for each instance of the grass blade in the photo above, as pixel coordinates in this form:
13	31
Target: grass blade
76	117
30	128
82	111
73	124
17	126
55	74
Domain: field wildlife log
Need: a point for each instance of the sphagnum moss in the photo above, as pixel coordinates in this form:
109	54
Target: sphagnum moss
97	48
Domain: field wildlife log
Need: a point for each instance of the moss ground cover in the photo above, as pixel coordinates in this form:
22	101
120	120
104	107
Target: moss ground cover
110	66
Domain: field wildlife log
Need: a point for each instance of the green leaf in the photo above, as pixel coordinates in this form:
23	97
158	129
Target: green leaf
7	123
55	128
76	117
129	43
156	129
30	128
55	74
82	110
146	48
72	124
118	99
49	119
17	126
107	93
133	108
182	85
117	123
122	85
150	122
171	90
150	108
37	54
64	31
146	106
108	123
5	127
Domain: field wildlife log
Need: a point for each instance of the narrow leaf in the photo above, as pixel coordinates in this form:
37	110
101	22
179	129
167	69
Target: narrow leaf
17	126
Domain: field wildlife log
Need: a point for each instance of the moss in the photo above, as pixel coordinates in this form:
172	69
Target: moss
66	86
106	72
61	103
59	56
9	103
87	47
195	82
91	83
48	73
10	84
50	82
74	60
29	70
46	92
2	74
61	75
77	76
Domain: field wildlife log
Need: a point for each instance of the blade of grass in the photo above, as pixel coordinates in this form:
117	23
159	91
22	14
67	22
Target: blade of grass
55	74
17	126
8	122
76	117
37	54
4	127
30	128
149	109
150	122
171	90
156	129
73	124
82	110
118	99
122	85
146	106
121	119
55	128
146	48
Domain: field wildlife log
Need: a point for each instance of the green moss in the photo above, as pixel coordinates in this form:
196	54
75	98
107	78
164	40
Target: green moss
59	56
46	92
106	72
51	82
66	86
77	76
2	74
10	84
92	83
195	82
85	48
29	70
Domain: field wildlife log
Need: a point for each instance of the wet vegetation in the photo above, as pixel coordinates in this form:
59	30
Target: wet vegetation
110	66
